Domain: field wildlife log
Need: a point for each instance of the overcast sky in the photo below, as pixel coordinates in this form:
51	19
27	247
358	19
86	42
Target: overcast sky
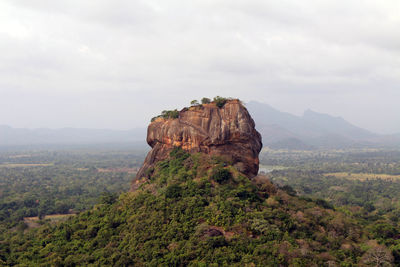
115	63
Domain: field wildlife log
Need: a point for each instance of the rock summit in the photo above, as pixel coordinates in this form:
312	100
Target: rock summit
227	131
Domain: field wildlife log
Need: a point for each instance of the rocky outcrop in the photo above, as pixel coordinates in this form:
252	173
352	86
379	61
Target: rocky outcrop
227	131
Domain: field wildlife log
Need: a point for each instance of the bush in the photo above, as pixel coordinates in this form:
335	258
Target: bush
173	191
221	175
205	100
170	114
244	194
323	203
108	198
179	154
289	190
194	103
167	114
219	101
216	242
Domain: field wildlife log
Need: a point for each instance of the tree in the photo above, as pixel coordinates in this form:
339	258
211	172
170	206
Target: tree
377	255
205	100
168	114
219	101
108	198
194	102
221	175
173	191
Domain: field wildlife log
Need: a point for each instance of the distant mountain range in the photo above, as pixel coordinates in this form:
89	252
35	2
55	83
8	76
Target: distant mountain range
68	136
279	130
313	130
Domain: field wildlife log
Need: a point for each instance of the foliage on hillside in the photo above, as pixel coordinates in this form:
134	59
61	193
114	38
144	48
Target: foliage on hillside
365	184
198	211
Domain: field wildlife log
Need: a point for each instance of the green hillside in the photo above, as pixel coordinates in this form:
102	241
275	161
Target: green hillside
198	211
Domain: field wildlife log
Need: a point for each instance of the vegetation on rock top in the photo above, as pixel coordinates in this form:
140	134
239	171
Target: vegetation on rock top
174	114
167	114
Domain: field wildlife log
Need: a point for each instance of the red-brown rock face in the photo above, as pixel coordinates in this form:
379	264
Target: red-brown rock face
228	131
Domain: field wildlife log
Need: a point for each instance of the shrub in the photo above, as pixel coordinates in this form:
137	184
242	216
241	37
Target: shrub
323	203
289	190
194	103
244	194
205	100
221	175
178	153
219	101
216	242
108	198
167	114
173	191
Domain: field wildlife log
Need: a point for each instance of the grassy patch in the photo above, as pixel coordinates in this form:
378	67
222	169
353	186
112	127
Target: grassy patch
33	222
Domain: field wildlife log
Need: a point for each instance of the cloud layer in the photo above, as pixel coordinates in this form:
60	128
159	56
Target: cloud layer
115	64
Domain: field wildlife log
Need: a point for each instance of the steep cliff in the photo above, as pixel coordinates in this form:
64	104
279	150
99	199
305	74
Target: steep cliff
226	131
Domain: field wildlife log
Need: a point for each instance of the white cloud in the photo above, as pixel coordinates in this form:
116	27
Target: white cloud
321	54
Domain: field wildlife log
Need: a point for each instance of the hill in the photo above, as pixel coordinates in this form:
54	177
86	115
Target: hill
313	130
193	211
